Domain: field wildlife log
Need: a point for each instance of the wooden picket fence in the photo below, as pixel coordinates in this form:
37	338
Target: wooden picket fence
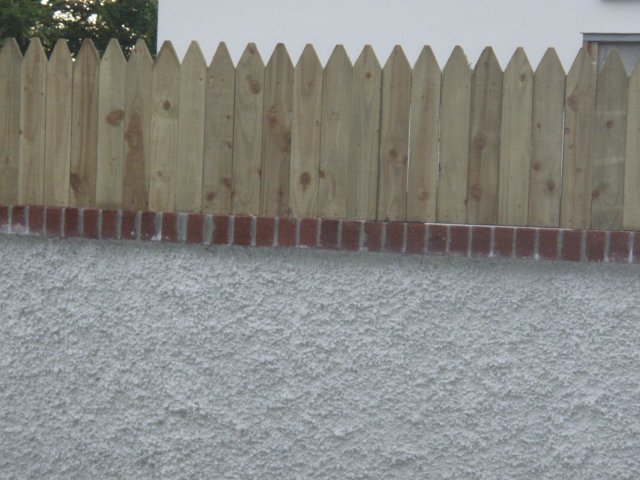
351	141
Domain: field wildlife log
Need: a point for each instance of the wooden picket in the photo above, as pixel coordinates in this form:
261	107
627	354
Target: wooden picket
193	72
484	140
111	120
165	93
610	128
348	141
247	132
394	137
84	127
276	133
546	142
424	136
515	141
580	96
58	130
362	182
305	135
631	212
334	137
455	108
218	133
137	130
10	62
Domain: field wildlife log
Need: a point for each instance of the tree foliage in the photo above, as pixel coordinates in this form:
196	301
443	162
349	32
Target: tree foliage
75	20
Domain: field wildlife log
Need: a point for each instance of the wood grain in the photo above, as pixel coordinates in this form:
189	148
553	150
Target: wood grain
10	73
631	212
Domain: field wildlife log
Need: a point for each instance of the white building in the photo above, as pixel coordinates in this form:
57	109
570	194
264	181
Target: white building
473	24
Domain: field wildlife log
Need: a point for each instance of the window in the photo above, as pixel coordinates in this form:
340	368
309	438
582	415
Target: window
599	45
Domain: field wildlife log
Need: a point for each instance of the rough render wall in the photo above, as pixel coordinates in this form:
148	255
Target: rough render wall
128	360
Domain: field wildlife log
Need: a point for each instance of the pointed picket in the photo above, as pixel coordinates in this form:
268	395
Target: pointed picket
484	140
247	132
111	120
32	125
455	110
84	127
545	173
631	212
515	141
305	135
423	138
580	96
57	160
218	133
394	137
137	129
164	129
610	129
193	73
10	66
362	182
276	133
334	138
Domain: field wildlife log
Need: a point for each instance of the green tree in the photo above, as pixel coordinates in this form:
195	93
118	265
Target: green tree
75	20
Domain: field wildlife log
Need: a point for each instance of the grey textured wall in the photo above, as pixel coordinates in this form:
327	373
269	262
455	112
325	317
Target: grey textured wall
127	360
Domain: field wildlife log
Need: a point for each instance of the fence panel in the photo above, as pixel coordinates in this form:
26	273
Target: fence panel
631	212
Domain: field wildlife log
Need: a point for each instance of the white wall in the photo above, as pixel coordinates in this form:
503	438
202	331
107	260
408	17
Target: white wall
129	360
503	24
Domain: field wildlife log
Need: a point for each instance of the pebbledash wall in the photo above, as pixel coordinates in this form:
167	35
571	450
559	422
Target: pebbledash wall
389	350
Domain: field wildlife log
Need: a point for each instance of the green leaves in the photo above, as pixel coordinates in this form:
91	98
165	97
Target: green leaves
75	20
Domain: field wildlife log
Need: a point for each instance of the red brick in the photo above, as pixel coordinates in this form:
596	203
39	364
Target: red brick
351	235
265	229
373	236
548	243
242	231
195	228
415	238
571	245
525	242
4	218
394	237
594	246
286	232
636	248
480	241
18	220
308	232
619	247
90	223
147	225
503	242
169	227
71	222
437	243
458	240
127	225
220	230
53	223
329	233
109	224
36	219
